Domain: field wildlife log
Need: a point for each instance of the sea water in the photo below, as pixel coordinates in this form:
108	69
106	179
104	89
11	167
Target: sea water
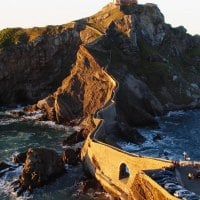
180	132
16	135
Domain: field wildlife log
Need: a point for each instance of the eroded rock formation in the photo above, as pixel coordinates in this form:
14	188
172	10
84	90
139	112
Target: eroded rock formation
71	156
85	90
41	166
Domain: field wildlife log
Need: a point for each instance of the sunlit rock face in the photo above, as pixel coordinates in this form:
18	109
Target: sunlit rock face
41	166
85	90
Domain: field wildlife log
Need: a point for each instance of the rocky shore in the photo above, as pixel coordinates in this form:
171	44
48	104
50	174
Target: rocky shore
61	71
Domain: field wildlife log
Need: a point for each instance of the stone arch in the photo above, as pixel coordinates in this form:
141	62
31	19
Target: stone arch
123	171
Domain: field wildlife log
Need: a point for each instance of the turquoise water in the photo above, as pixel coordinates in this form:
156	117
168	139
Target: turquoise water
180	133
16	136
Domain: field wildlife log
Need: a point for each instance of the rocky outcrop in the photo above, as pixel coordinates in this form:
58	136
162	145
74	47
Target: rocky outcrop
62	71
4	167
129	134
91	189
74	138
141	104
20	158
31	69
41	166
85	90
156	74
71	156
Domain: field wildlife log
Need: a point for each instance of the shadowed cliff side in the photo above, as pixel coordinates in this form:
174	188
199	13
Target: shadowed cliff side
156	65
32	68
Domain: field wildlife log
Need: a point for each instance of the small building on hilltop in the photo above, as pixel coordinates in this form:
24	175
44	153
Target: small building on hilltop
124	2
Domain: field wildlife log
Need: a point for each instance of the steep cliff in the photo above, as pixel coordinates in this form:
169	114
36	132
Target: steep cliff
35	67
85	90
157	66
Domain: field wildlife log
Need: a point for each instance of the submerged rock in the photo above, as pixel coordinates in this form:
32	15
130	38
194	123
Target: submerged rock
74	138
20	158
41	166
17	114
71	156
4	165
91	189
130	134
157	137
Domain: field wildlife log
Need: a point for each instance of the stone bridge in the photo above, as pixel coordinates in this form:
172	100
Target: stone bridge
120	173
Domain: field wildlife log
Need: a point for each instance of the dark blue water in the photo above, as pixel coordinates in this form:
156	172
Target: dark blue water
180	132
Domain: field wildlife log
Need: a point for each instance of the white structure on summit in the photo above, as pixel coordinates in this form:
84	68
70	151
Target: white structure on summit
124	2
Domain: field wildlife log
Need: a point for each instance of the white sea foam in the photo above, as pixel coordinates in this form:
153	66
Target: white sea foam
7	121
176	113
171	123
160	148
6	183
55	126
17	109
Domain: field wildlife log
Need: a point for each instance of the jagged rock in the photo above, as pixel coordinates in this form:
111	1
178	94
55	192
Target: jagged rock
140	103
17	114
157	137
41	166
116	132
86	89
150	23
20	158
71	156
91	188
47	106
30	108
74	138
4	165
129	134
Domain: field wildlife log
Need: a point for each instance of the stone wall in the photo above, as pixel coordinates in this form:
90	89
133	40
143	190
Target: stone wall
104	161
145	188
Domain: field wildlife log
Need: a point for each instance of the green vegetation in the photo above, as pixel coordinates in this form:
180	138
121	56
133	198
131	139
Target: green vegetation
101	57
11	36
159	76
195	52
146	49
127	9
106	16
